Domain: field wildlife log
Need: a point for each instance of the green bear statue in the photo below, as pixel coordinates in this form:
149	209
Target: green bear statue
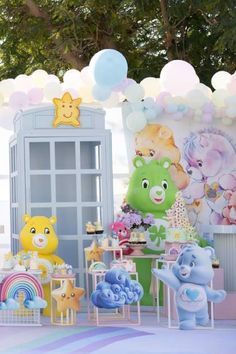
151	190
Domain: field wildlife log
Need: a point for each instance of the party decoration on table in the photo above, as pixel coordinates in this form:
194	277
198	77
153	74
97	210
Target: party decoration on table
90	228
38	235
116	290
62	269
9	304
157	141
9	261
66	111
21	282
94	252
97	267
123	233
189	277
68	296
98	227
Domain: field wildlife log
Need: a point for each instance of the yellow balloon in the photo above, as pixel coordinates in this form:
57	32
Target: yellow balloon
152	86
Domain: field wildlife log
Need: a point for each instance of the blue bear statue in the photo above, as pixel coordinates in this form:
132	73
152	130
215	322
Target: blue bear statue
189	277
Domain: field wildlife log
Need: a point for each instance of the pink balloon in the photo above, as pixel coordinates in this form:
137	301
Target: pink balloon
35	95
160	99
208	108
18	100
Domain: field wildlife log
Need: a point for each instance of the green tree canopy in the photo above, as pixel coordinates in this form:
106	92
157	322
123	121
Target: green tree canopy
56	35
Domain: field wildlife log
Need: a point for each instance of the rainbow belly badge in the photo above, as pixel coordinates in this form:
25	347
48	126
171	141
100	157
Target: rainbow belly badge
17	283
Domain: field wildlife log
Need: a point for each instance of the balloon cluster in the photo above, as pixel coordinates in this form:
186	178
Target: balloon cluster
117	290
177	93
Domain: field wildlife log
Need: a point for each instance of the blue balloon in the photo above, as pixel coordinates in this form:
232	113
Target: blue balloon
101	93
109	67
171	108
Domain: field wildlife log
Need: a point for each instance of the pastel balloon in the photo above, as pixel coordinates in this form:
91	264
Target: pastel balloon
151	85
163	97
196	99
23	83
177	116
51	90
39	78
6	118
35	95
72	76
226	121
218	97
134	93
108	67
150	113
220	79
7	87
231	112
53	78
178	77
136	121
207	117
112	101
205	89
101	93
18	100
171	108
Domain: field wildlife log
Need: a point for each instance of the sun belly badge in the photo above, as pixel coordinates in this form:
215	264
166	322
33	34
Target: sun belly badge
66	111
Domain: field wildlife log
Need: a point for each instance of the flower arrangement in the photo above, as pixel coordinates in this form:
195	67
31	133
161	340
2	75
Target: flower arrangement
133	219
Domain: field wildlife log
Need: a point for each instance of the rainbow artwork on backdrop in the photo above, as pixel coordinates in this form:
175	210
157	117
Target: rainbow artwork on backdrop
21	282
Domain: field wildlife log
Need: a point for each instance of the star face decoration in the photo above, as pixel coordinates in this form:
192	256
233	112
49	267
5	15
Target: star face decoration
66	111
68	296
94	253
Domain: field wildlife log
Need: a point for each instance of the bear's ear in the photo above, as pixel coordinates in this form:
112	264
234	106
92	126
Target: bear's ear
53	220
165	132
26	218
210	251
138	161
165	162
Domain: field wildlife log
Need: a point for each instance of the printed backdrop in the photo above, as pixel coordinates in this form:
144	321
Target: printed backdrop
203	164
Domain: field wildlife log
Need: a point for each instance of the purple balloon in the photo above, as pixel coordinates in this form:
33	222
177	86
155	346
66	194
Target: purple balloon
207	117
177	116
126	83
18	100
162	97
35	95
208	107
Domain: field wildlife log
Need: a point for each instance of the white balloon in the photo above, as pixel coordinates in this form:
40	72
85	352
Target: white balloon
52	90
23	83
134	93
196	99
230	101
218	97
7	87
152	86
178	77
136	121
204	88
39	77
7	115
220	80
72	77
53	78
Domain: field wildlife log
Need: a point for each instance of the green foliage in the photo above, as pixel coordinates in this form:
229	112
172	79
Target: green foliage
59	34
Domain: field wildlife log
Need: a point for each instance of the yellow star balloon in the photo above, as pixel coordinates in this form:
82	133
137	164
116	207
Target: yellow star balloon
68	296
66	111
94	253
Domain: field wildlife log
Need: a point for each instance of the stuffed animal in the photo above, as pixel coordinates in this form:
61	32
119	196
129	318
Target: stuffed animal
229	212
190	277
123	235
38	235
151	189
157	141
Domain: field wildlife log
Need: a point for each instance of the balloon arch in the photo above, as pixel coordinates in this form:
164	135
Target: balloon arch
177	93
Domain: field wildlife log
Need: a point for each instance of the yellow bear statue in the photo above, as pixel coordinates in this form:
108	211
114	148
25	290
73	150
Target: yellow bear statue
39	235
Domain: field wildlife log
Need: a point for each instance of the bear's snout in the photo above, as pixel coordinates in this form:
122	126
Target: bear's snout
40	240
185	271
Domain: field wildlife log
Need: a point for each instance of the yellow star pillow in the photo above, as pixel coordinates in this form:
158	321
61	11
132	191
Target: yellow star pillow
68	296
66	111
94	253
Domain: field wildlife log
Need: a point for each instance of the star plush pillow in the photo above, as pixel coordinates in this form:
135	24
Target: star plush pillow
68	296
66	111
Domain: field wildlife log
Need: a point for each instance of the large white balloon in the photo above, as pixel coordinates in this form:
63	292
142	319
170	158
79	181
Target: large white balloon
23	83
6	118
152	86
136	121
220	80
218	97
178	77
72	77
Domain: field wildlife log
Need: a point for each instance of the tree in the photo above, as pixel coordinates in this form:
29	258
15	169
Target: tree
59	34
